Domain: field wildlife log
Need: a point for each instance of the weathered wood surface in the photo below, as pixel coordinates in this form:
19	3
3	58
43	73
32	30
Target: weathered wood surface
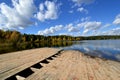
72	65
69	65
12	63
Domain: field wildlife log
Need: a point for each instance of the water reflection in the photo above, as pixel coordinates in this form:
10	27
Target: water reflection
109	49
24	46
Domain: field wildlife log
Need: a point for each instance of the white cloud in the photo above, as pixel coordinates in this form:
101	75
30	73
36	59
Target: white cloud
85	19
25	8
82	10
47	11
70	34
72	28
80	2
81	25
103	28
91	26
117	20
115	31
87	26
106	25
69	25
17	16
21	13
51	30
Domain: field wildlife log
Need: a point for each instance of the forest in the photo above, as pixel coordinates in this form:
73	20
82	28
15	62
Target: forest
15	41
15	37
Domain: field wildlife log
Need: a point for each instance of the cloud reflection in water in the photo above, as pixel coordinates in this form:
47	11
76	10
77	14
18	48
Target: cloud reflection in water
109	49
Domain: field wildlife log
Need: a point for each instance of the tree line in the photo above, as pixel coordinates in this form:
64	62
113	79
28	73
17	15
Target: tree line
15	37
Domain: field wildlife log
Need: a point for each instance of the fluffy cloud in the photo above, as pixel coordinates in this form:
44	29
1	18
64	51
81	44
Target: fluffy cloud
106	25
117	20
82	10
51	30
25	8
85	19
115	31
21	13
91	26
47	10
80	2
69	34
71	28
17	16
87	26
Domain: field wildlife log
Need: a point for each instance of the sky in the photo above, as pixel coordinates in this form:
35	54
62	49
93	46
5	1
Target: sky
61	17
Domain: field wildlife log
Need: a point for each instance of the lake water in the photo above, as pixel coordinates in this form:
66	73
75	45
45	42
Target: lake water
108	49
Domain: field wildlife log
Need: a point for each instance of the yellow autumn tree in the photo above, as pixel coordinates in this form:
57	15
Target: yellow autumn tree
15	37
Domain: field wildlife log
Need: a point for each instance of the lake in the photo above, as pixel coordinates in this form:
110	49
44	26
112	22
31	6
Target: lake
108	49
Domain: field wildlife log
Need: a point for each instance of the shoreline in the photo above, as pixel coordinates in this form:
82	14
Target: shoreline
92	56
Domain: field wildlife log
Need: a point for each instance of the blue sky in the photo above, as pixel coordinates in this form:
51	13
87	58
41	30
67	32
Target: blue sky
61	17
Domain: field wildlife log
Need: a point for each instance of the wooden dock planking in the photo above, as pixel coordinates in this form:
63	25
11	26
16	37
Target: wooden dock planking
12	63
73	65
70	65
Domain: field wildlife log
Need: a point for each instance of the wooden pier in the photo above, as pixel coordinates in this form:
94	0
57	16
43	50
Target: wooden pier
55	64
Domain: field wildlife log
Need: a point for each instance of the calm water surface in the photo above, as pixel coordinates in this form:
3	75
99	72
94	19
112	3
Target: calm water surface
109	49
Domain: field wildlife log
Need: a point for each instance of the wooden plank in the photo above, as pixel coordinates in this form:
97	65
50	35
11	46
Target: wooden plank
14	64
72	65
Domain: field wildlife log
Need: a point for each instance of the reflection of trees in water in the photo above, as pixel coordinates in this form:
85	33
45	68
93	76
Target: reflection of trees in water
6	49
24	46
54	44
46	44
